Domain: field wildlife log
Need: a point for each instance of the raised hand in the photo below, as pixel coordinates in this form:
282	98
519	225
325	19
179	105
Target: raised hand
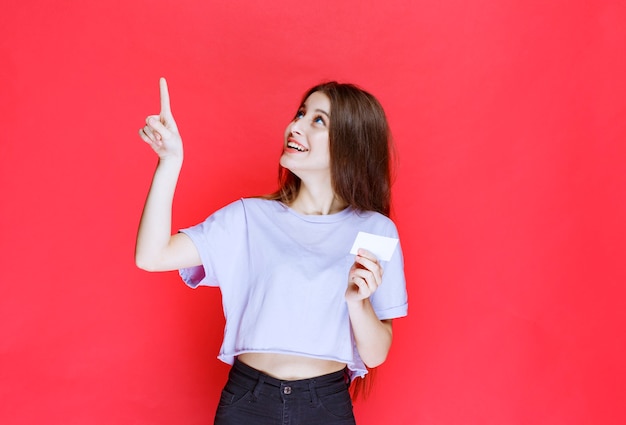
161	132
365	276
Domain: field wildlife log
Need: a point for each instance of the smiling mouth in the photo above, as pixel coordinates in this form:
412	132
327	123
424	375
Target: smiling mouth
296	146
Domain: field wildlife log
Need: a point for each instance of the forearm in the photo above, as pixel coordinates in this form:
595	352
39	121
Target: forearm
155	228
373	337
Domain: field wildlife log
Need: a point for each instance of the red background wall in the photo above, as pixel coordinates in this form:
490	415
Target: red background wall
509	119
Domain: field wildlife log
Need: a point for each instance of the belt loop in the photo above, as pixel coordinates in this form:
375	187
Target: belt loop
257	387
313	393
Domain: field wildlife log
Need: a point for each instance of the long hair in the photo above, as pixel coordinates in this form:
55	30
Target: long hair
360	163
360	150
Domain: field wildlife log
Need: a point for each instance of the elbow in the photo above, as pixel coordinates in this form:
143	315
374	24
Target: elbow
374	356
375	353
145	264
375	360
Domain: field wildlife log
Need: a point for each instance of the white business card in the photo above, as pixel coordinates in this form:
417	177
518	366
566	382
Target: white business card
381	246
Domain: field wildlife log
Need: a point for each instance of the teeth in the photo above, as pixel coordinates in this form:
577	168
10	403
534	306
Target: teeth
296	146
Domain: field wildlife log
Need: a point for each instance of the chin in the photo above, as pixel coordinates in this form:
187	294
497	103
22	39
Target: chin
284	162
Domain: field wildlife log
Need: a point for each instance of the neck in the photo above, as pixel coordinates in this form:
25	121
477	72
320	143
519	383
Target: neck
317	202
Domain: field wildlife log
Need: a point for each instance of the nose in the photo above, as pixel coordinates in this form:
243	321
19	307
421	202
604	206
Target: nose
295	127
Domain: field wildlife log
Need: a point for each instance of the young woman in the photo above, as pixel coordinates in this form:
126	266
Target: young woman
303	315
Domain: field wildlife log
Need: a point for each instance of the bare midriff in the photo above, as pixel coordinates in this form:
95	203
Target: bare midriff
289	367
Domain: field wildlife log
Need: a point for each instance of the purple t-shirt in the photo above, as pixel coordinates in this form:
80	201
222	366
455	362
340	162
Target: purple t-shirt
283	277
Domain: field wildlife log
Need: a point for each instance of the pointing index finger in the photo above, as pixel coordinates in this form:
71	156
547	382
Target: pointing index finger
165	98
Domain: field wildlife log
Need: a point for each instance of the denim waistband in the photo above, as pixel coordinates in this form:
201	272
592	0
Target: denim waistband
258	381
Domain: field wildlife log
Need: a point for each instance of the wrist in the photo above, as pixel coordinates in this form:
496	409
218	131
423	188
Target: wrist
171	161
358	305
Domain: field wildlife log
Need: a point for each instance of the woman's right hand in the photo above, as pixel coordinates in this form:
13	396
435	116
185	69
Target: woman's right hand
161	132
157	248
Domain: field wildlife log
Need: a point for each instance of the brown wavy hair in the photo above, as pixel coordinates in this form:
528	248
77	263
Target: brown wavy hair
360	150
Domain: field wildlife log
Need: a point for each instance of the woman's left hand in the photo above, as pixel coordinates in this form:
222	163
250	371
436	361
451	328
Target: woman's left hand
365	276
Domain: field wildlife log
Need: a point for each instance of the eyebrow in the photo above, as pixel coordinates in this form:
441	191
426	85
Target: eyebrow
323	112
303	106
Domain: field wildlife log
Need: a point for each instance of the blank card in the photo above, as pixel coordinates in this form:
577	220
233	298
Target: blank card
381	246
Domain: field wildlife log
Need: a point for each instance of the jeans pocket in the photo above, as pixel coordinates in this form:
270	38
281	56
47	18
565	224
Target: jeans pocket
338	404
228	398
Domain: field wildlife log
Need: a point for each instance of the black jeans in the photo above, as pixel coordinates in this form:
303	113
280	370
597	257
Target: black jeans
252	398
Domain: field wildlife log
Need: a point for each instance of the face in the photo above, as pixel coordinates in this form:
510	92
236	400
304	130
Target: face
306	147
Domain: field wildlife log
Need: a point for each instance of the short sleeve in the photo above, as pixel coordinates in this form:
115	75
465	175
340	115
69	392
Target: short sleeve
390	299
219	240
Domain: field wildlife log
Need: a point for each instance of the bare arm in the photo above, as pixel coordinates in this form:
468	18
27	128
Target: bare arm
373	336
156	248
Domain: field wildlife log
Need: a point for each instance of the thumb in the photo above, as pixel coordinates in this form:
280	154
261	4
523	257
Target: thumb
158	127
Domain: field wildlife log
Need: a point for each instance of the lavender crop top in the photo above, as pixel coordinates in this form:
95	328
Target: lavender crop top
283	277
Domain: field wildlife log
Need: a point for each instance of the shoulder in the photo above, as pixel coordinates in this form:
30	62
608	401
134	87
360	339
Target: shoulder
243	204
244	209
377	221
267	206
259	202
